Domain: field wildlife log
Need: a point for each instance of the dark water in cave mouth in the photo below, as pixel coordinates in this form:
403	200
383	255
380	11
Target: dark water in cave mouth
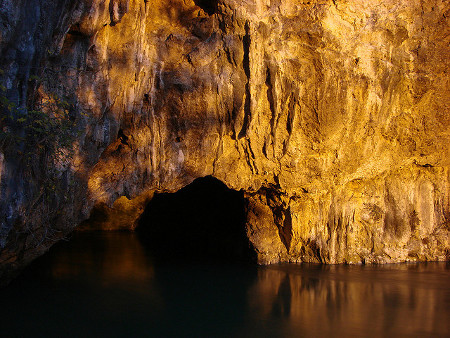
109	285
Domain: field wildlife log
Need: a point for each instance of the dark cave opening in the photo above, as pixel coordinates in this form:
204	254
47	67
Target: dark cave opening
209	6
204	221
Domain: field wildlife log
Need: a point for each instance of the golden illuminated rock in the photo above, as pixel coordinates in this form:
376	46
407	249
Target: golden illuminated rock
332	116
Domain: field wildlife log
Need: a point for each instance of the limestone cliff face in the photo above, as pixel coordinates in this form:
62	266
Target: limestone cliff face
332	116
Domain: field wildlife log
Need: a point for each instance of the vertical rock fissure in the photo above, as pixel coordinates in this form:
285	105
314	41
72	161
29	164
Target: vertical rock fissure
286	229
270	98
246	42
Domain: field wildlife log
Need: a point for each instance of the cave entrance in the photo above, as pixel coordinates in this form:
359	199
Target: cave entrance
204	221
209	6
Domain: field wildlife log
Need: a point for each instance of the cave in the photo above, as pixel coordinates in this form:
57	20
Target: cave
204	221
282	99
209	6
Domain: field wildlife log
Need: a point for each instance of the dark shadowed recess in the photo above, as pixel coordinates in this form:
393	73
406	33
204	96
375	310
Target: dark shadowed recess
209	6
205	221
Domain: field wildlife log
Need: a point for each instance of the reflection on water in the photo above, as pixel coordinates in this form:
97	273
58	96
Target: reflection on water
106	284
109	258
387	301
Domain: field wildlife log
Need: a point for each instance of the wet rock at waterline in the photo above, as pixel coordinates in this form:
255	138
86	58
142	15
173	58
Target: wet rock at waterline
331	116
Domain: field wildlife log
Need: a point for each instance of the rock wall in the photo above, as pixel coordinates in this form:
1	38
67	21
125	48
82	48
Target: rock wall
332	116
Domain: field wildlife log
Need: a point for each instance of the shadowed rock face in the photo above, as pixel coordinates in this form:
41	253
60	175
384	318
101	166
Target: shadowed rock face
331	116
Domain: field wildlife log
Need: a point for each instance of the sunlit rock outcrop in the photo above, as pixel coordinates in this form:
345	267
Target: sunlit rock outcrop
332	116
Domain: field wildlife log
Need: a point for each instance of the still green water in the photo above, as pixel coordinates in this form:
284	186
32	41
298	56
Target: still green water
109	285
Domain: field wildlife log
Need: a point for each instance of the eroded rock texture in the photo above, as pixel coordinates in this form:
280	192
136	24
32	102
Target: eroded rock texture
332	116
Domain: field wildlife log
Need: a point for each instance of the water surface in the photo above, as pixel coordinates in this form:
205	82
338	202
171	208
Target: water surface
108	284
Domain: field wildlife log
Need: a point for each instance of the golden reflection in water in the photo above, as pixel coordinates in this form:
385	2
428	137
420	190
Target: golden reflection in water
115	275
112	257
343	300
